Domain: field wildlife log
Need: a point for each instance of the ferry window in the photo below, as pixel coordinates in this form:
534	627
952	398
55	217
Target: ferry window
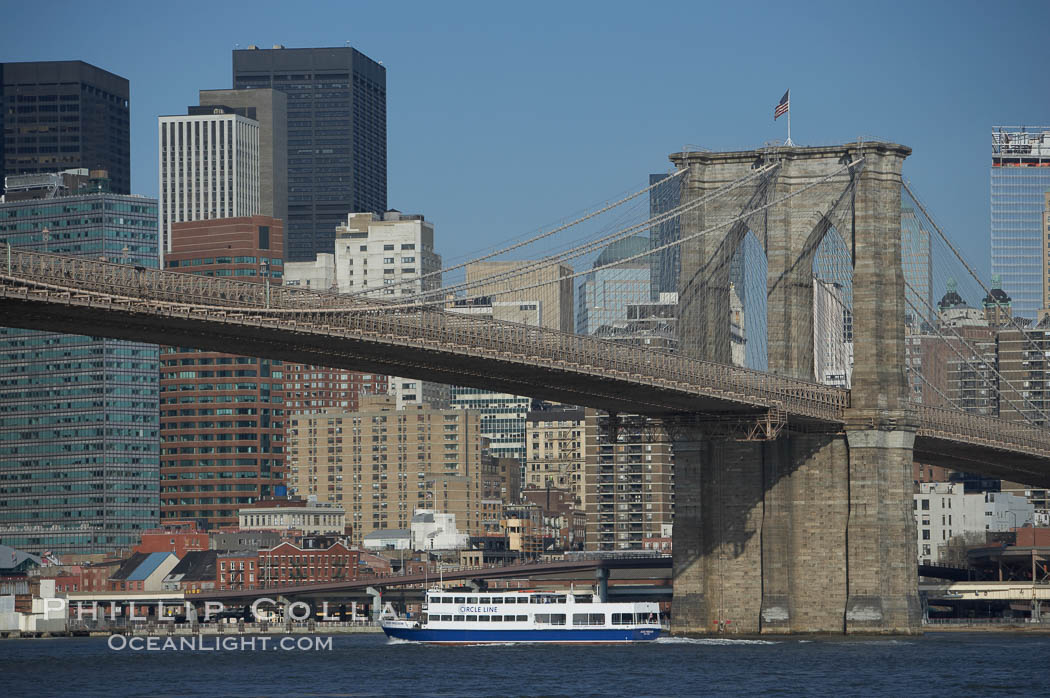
460	599
472	619
497	599
446	617
483	599
543	618
588	619
496	619
559	599
484	619
523	618
557	619
522	599
472	599
458	619
622	618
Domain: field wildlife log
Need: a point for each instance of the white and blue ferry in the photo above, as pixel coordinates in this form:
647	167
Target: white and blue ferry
458	617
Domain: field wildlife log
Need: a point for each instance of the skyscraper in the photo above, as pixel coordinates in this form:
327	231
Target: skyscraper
336	136
393	254
58	115
606	293
78	415
270	109
382	463
222	415
544	300
1020	176
628	481
666	264
209	167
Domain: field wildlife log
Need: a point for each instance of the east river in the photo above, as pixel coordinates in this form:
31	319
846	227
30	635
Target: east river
937	664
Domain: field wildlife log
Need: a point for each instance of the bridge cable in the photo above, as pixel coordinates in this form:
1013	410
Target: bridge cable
747	214
580	250
966	344
1013	320
529	241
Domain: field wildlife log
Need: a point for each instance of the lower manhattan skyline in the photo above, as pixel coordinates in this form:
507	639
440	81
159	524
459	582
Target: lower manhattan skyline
473	349
584	97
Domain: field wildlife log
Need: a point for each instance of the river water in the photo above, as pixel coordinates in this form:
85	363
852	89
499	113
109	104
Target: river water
937	664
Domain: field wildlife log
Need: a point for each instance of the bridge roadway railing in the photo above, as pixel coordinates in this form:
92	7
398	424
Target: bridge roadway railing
956	425
252	303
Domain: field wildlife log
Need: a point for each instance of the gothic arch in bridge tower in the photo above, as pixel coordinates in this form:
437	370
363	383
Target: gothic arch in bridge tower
809	532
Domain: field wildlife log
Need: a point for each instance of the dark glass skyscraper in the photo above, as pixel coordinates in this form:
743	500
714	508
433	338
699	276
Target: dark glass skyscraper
336	136
59	115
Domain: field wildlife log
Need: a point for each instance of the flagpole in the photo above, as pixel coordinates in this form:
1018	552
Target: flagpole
788	141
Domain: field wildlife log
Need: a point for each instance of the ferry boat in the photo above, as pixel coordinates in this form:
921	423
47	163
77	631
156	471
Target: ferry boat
458	617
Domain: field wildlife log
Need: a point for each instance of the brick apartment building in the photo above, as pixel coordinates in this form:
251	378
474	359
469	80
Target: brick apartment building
222	415
179	537
381	464
289	564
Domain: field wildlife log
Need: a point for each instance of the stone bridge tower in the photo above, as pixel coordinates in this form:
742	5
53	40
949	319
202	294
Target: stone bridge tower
808	532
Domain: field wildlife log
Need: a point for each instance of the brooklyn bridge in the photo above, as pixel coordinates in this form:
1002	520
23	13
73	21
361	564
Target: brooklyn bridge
793	497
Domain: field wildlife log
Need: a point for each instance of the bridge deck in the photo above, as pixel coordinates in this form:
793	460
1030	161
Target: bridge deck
79	296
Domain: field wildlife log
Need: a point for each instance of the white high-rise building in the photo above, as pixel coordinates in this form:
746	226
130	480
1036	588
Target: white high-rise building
393	256
209	167
832	335
943	510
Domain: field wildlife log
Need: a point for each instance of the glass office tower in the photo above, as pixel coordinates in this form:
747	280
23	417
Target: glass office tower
1020	176
336	136
666	264
604	294
79	450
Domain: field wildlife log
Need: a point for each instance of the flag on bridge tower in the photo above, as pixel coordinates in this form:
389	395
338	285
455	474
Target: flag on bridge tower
783	107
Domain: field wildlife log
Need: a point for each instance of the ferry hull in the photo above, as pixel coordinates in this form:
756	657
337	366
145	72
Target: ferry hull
549	636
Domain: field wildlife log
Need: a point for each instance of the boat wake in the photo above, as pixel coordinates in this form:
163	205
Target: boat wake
709	641
399	641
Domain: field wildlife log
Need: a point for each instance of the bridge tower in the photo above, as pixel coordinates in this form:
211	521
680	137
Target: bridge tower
810	531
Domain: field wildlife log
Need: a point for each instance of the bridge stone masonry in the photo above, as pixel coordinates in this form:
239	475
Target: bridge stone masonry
810	532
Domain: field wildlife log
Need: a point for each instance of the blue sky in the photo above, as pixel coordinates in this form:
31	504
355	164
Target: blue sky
506	117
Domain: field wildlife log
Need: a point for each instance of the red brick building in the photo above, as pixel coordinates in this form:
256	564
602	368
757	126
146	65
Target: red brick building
310	389
288	564
95	577
179	537
68	582
1033	537
222	415
237	570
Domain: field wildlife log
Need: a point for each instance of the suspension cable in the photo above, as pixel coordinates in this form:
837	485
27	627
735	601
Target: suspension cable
529	241
743	216
580	250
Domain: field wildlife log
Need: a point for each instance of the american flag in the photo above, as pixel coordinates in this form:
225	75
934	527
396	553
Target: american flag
783	106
